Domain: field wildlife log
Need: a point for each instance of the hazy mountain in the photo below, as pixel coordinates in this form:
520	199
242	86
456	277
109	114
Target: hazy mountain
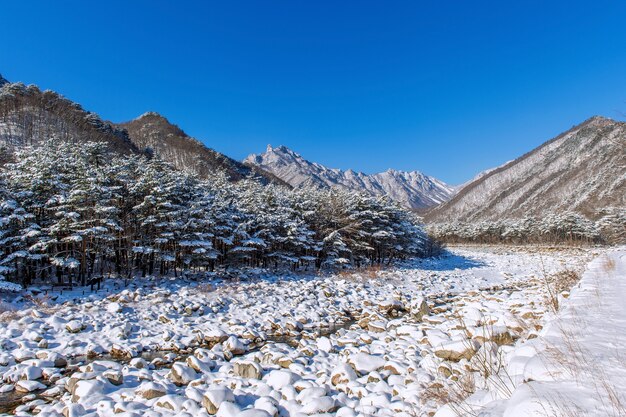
411	189
582	170
152	132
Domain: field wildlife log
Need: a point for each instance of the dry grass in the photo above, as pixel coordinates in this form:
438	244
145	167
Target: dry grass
8	313
571	357
557	284
487	366
365	273
608	264
205	288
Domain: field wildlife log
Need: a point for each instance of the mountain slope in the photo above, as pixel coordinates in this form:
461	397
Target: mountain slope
29	116
151	131
411	189
582	170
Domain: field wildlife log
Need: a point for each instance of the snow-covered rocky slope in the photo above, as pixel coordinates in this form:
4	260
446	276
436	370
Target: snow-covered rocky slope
379	345
411	189
581	170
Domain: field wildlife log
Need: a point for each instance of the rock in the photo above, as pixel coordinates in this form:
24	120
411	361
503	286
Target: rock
234	346
139	363
31	373
70	384
213	399
87	388
456	350
247	369
181	374
294	326
114	308
343	374
268	404
151	390
228	409
21	355
278	379
395	368
319	405
28	386
376	326
74	326
73	410
284	362
324	344
198	365
114	377
419	308
171	402
215	336
391	307
119	352
364	363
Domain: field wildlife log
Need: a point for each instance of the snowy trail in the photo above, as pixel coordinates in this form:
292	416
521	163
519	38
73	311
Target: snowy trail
577	367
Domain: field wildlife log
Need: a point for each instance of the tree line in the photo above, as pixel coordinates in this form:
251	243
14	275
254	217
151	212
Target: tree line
566	227
70	212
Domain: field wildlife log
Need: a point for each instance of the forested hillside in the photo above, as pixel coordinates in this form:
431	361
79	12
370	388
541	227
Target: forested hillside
153	133
29	116
70	212
571	188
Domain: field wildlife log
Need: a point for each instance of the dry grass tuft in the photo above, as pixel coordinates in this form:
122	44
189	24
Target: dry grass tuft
8	313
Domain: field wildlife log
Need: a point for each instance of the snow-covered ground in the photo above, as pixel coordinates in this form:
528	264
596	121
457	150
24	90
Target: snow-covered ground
394	342
577	366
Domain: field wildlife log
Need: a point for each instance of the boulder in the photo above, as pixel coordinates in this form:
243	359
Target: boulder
248	369
151	390
181	374
213	399
419	308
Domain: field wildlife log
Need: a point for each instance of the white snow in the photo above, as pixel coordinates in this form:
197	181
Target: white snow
348	344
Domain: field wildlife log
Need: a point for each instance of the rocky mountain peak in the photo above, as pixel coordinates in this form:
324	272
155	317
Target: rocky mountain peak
411	189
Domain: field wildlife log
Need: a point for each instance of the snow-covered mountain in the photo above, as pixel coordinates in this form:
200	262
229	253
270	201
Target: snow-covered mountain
581	170
412	189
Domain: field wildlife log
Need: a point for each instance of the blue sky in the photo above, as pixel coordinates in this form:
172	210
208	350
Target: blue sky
449	88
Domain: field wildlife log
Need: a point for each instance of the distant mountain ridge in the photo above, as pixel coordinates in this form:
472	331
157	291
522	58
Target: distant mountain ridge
582	170
411	189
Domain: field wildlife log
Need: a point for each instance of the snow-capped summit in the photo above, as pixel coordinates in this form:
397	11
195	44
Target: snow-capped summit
412	189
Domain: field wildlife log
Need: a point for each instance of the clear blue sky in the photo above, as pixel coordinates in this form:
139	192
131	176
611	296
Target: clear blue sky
446	87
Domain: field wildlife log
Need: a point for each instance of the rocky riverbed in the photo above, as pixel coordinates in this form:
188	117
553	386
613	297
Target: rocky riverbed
391	342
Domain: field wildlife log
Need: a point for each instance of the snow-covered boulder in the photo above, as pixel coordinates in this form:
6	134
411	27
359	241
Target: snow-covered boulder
248	369
214	398
181	374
